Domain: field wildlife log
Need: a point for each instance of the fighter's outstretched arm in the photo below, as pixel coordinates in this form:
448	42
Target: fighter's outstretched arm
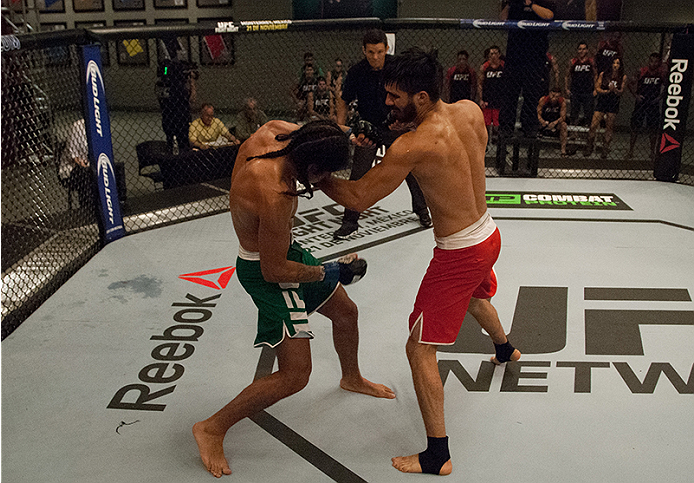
377	183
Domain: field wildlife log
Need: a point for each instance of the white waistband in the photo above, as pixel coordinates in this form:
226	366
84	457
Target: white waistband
468	236
247	255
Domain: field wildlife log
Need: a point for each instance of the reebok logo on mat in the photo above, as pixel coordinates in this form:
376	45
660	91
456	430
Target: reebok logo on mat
221	281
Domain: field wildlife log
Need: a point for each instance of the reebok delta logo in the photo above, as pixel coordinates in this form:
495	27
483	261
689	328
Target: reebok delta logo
225	274
668	143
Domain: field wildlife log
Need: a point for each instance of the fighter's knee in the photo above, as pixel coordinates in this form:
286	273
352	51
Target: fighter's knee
347	313
297	379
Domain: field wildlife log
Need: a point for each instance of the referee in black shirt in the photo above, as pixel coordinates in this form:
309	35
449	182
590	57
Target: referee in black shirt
364	82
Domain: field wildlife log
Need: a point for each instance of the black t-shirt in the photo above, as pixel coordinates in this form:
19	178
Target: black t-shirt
527	45
582	76
366	86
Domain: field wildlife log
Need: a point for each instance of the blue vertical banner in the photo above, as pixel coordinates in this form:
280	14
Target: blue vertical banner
98	125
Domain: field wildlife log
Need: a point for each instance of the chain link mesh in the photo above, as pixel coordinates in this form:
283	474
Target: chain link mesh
157	84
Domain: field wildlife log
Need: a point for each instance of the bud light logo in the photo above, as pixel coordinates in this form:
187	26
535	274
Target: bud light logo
104	170
94	82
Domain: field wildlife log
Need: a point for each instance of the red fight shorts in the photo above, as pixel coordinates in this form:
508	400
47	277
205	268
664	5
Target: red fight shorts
491	117
453	277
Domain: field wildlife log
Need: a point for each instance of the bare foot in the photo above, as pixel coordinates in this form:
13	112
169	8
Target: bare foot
410	464
367	387
211	450
514	357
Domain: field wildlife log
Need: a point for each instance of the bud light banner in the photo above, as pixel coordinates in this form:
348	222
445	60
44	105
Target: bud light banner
675	108
99	141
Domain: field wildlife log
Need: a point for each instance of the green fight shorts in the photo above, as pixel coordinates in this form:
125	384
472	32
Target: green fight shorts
283	308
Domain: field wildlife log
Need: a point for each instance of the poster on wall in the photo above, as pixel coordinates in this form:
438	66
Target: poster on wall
315	9
50	6
128	4
170	3
217	49
591	10
132	51
88	5
178	47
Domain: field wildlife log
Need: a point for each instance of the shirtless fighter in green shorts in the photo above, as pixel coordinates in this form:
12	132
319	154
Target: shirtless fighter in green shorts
285	281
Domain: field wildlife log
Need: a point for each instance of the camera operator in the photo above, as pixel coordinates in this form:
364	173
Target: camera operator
176	91
526	56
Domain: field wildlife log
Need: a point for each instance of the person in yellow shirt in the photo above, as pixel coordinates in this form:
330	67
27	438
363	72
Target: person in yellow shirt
206	130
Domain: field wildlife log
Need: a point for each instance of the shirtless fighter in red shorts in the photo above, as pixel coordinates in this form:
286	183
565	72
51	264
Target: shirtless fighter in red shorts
446	155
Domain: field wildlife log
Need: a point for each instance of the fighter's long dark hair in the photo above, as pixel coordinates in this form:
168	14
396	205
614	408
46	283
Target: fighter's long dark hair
318	144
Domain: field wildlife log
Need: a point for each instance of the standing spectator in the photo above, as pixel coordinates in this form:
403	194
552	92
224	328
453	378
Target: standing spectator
320	102
491	89
335	79
310	60
249	119
580	85
364	83
647	87
526	56
550	76
461	79
551	112
609	48
207	129
609	86
307	83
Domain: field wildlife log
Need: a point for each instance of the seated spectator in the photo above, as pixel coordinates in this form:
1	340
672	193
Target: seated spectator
609	88
320	102
461	79
335	79
249	119
205	131
551	112
490	89
580	85
307	83
647	88
74	170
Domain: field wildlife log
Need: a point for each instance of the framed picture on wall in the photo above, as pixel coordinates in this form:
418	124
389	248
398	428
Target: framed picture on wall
53	26
132	52
180	47
170	3
216	49
213	3
88	5
128	4
105	56
50	6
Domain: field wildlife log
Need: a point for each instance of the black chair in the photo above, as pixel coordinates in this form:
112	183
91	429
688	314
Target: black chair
150	156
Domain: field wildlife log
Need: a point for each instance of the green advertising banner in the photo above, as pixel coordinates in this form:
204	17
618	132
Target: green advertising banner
580	201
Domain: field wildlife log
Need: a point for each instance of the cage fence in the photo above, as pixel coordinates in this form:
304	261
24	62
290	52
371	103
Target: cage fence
162	83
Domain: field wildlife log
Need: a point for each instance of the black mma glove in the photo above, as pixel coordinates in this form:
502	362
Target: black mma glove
368	130
346	270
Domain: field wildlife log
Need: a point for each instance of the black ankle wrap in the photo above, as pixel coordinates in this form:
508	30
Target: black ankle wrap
504	351
435	455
